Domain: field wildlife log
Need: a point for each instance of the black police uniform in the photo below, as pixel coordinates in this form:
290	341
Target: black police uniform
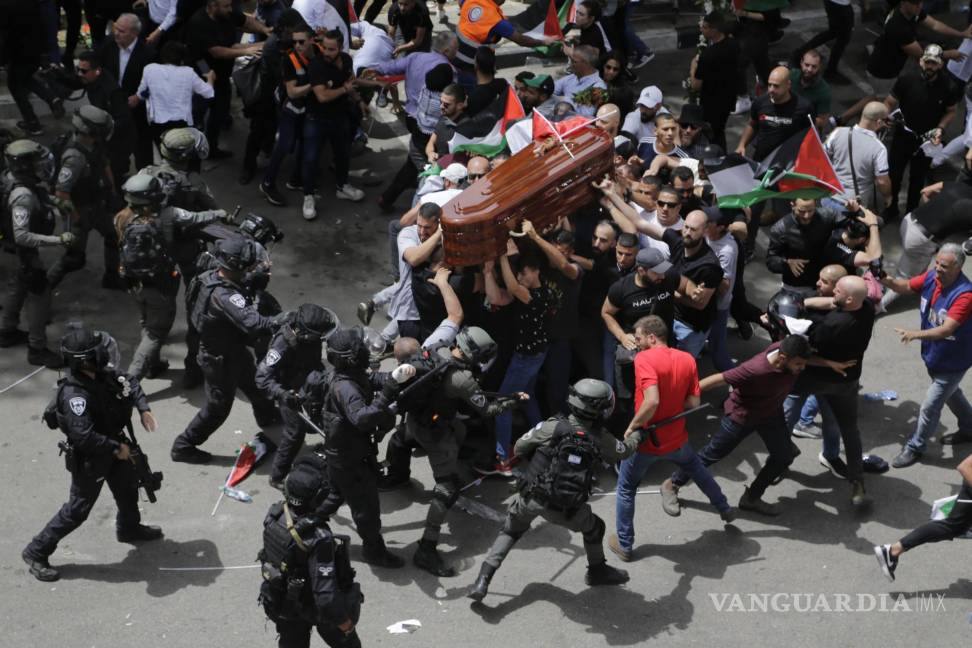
92	412
226	319
83	175
280	375
349	396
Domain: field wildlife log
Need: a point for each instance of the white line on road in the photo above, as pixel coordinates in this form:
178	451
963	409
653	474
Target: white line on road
208	568
25	378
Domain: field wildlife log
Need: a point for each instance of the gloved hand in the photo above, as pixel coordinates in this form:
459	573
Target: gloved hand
304	526
290	399
282	318
224	215
390	390
68	239
402	373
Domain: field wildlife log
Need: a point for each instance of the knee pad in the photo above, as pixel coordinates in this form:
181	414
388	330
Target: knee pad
595	535
446	491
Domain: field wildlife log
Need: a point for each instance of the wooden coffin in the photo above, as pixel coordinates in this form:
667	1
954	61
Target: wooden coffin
539	188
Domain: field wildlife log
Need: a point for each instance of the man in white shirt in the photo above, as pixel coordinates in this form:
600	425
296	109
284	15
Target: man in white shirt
453	176
640	122
321	17
374	46
162	15
867	178
583	58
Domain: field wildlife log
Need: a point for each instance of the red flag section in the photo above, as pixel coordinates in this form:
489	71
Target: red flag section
551	25
514	109
543	127
244	465
811	159
352	14
572	13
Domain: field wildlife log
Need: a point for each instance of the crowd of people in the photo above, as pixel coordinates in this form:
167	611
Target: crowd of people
578	349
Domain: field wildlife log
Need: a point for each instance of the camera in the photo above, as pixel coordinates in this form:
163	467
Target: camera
876	266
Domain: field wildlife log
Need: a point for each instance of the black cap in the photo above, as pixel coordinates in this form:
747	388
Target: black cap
715	215
692	114
302	486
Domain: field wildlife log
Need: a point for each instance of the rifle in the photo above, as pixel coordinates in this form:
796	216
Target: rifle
650	429
147	480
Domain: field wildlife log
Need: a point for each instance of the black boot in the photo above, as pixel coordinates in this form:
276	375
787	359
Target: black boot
40	568
481	587
605	574
139	533
190	454
428	558
381	557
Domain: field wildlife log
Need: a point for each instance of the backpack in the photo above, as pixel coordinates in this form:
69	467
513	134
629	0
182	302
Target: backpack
248	80
142	252
561	473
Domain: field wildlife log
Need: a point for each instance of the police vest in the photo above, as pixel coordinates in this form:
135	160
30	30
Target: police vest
954	353
476	19
43	214
88	191
198	299
561	472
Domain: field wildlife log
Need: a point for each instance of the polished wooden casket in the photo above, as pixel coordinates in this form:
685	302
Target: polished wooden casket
537	187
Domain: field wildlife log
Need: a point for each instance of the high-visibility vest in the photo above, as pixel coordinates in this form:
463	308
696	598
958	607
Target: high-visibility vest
476	19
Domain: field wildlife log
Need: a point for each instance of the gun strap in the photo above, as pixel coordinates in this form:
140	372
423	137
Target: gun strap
293	531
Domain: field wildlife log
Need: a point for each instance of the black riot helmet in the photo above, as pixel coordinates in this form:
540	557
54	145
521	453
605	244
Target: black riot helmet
236	253
306	485
781	305
313	323
591	400
347	351
477	346
261	229
82	348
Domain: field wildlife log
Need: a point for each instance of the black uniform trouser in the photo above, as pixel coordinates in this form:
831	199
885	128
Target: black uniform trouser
959	521
72	12
223	375
74	258
22	82
717	116
906	150
840	26
86	483
263	130
293	438
373	9
398	452
741	309
358	484
297	634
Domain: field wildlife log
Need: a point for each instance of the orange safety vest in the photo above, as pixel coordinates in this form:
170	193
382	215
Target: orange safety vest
476	19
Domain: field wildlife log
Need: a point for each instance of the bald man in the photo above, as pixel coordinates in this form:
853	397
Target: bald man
476	168
775	116
840	339
869	179
609	119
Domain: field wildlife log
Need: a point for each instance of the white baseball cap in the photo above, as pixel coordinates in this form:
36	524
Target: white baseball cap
455	172
650	97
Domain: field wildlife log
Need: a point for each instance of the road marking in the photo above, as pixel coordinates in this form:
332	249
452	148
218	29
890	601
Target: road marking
180	569
25	378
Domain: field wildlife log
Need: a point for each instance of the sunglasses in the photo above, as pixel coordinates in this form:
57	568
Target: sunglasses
300	41
665	203
690	126
475	176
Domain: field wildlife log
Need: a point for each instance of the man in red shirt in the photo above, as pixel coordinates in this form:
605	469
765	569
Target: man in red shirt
946	347
759	387
666	384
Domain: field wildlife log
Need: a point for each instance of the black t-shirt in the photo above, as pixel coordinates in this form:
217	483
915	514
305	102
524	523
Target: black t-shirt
702	268
718	70
835	251
428	297
408	24
288	72
595	36
564	323
324	73
598	281
637	301
531	322
841	336
948	213
887	58
923	103
484	94
774	123
202	32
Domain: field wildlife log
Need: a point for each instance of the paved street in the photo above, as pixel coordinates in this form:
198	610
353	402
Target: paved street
198	586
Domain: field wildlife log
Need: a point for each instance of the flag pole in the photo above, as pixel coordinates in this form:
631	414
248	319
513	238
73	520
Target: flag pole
222	491
557	134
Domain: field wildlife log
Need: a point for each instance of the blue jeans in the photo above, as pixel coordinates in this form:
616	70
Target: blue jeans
608	351
633	469
809	411
688	339
316	133
718	344
289	139
830	431
944	390
521	375
635	44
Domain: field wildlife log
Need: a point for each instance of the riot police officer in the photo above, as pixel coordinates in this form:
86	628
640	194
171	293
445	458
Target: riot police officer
32	221
296	350
307	576
149	232
84	188
92	406
345	404
431	405
564	454
225	318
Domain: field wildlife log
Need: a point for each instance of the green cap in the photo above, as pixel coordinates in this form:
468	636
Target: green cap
541	82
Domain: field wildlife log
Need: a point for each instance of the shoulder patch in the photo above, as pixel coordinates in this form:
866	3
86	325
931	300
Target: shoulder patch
325	570
478	399
238	300
475	14
619	447
21	216
272	357
78	404
64	175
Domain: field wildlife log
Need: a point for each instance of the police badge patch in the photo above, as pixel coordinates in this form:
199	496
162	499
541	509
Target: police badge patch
238	301
78	404
64	175
478	400
272	358
21	215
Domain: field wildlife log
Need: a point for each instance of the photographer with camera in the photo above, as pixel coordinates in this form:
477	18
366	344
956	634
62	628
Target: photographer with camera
92	407
946	347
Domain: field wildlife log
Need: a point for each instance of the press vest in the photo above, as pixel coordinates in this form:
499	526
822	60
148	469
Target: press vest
954	353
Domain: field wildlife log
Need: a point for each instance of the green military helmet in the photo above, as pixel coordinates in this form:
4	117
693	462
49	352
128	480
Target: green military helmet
183	144
591	400
92	121
143	190
477	345
28	160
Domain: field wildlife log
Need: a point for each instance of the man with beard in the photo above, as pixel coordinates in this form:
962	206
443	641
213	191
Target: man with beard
759	387
807	82
774	117
796	242
640	123
598	277
666	214
927	100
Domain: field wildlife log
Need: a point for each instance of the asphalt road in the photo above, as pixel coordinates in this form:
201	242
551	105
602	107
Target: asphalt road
198	586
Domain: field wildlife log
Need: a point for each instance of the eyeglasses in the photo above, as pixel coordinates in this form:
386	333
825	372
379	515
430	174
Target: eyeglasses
475	176
690	126
665	203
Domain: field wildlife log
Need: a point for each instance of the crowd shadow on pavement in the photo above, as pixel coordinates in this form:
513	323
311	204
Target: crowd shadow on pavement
143	563
960	589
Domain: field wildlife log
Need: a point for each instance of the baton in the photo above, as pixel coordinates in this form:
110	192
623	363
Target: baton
650	429
393	407
313	426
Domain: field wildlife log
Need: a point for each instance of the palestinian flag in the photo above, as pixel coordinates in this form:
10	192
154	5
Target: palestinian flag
485	132
797	168
524	132
546	18
352	14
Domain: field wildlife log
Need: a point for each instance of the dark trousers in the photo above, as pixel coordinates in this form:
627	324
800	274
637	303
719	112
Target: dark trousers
317	132
407	176
72	12
223	375
143	138
28	292
740	308
775	437
717	116
958	522
219	111
556	374
74	258
373	9
398	452
842	399
358	484
22	82
289	140
263	126
297	634
906	150
86	483
754	47
290	443
840	26
586	349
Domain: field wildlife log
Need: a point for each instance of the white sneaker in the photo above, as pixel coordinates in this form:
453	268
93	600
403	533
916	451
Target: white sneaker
310	209
743	104
349	192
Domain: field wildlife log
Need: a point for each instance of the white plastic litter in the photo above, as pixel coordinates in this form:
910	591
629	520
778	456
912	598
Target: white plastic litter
405	627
